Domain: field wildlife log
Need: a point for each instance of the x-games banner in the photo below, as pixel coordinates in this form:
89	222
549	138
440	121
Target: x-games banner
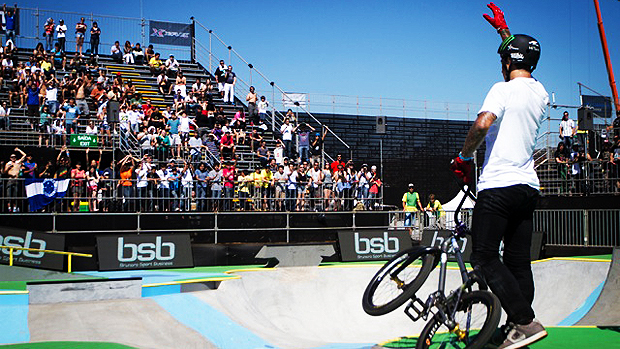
168	33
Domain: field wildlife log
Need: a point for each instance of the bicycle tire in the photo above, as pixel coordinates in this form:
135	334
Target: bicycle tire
410	279
478	330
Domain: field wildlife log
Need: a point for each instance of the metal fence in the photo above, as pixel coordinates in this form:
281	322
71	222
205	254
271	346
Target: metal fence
96	193
113	28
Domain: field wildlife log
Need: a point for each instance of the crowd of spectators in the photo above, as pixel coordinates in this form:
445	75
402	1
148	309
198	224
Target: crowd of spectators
189	150
139	184
587	161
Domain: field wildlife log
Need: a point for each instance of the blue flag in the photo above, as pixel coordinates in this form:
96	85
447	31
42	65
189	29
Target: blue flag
42	191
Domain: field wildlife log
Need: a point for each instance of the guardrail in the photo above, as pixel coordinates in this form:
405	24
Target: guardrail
592	228
149	193
68	254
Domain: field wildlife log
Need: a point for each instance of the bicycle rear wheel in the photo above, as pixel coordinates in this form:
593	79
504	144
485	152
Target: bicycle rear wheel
398	280
477	317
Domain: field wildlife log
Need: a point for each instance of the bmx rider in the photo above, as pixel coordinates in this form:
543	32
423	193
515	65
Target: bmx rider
508	186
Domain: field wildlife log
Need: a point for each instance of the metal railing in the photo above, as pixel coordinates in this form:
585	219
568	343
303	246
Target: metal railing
592	227
217	49
113	28
151	194
68	254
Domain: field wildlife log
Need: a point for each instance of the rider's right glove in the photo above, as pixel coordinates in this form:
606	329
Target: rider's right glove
461	166
497	21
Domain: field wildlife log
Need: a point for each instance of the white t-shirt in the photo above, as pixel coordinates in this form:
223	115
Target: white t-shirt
61	30
567	127
287	132
262	107
278	154
51	94
520	107
133	117
184	124
91	130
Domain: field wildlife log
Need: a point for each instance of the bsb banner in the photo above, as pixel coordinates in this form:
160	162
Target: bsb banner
168	33
372	244
28	239
145	251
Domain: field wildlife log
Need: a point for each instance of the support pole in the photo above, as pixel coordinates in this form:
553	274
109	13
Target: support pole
610	71
192	34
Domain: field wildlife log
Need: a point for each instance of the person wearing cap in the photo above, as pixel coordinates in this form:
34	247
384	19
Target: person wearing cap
316	146
48	32
61	33
411	204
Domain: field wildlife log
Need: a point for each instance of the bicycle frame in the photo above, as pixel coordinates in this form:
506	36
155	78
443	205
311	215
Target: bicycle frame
442	252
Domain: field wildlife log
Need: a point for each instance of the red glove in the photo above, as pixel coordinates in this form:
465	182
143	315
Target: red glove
462	169
498	22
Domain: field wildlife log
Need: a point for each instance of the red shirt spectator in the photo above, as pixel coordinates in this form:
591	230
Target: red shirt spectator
338	162
229	176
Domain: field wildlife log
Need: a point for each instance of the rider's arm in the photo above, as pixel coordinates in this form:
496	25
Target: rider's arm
477	132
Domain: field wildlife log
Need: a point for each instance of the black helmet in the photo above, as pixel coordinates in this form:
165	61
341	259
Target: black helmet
522	49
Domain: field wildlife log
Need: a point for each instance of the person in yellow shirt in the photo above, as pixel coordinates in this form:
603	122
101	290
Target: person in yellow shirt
267	176
244	190
256	185
156	65
439	215
411	203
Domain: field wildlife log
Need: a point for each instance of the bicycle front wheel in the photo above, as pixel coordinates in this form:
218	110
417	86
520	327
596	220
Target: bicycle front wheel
398	280
477	316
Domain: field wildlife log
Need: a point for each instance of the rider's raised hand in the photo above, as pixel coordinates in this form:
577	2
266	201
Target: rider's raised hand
497	21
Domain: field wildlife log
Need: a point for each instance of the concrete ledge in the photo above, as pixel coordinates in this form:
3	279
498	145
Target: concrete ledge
46	292
297	256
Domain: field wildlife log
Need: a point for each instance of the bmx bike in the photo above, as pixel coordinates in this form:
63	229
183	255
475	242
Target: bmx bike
464	318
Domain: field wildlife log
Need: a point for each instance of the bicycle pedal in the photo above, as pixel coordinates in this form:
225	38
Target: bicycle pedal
416	309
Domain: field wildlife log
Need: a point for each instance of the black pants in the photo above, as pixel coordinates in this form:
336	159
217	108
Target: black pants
61	42
94	45
506	213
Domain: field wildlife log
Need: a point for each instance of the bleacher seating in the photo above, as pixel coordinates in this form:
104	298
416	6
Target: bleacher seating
21	133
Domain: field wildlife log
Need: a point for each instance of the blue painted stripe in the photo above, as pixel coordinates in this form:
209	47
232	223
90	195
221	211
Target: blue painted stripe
209	322
160	290
583	309
14	319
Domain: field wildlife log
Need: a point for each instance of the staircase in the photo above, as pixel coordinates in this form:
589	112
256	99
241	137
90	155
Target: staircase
21	133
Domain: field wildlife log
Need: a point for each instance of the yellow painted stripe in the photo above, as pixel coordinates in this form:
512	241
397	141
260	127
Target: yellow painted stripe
120	67
138	80
247	270
13	292
193	281
148	92
145	86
